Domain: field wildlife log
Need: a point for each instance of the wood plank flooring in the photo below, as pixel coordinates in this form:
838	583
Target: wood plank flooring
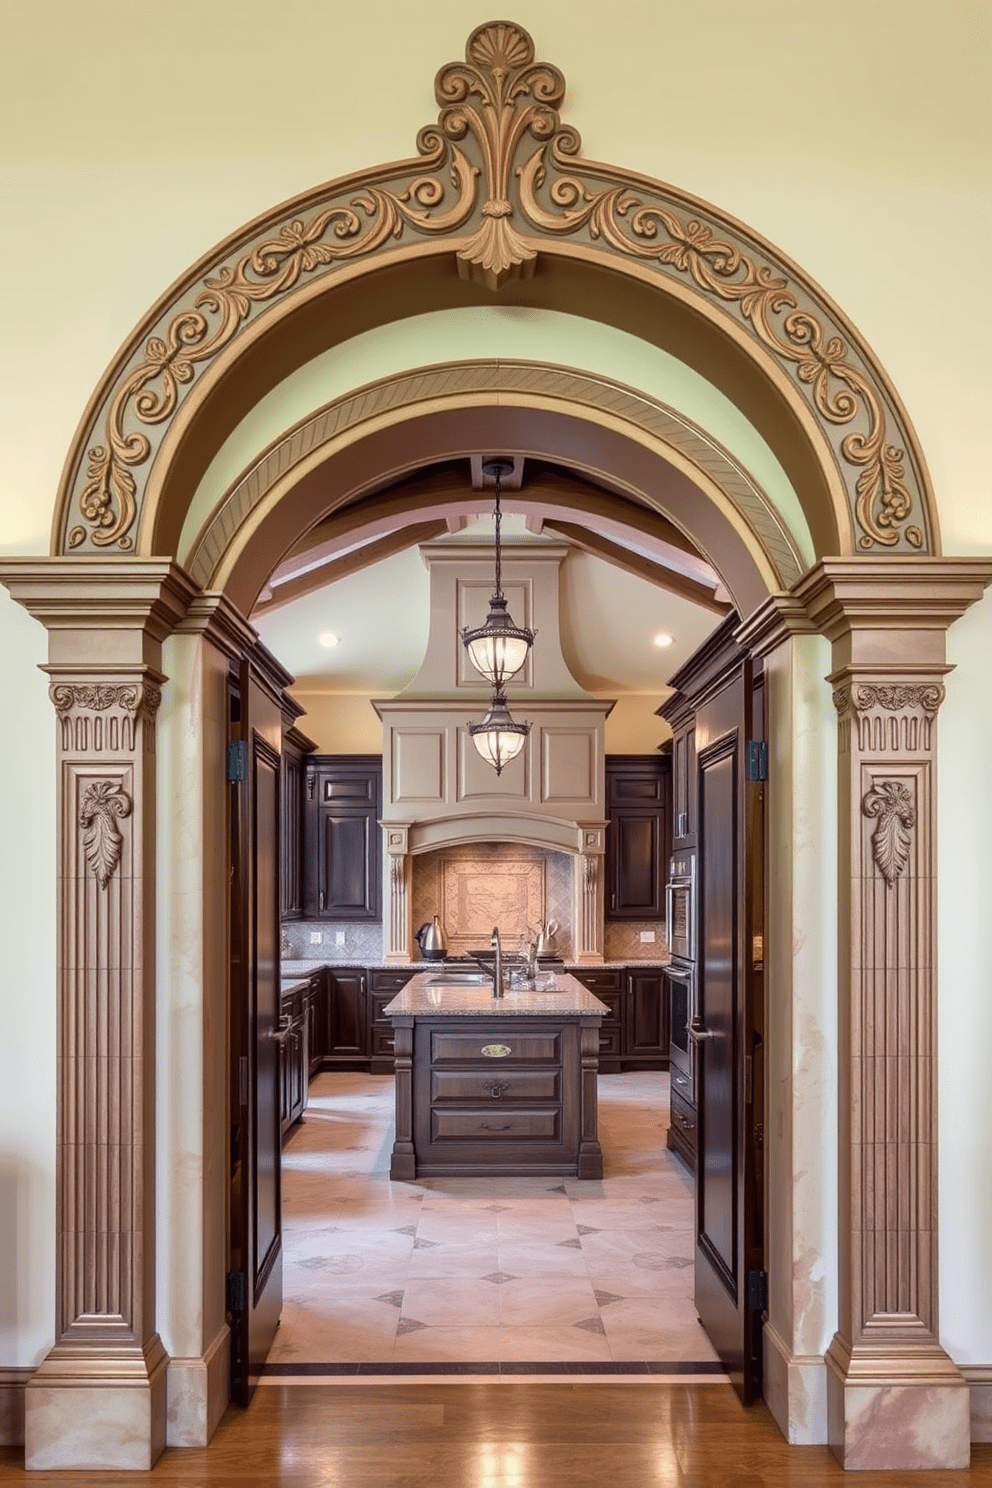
498	1435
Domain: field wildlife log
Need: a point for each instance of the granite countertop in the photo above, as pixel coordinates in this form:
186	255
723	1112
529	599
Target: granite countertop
300	968
422	996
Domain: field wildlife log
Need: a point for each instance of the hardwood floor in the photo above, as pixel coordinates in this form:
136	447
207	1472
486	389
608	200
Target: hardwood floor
505	1435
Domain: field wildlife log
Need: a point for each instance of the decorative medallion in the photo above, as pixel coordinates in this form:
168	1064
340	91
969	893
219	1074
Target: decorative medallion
892	803
103	802
503	178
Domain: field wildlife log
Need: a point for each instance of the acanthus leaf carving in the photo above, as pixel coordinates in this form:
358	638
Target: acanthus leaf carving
103	801
891	802
893	697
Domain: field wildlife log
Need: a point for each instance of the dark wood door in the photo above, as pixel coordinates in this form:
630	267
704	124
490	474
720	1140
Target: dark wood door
728	1254
255	1298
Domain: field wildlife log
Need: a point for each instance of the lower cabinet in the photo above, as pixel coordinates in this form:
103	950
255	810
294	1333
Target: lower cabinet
646	1032
383	987
607	985
634	1034
682	1127
346	1037
294	1055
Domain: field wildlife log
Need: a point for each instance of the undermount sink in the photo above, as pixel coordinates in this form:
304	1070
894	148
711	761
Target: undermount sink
459	979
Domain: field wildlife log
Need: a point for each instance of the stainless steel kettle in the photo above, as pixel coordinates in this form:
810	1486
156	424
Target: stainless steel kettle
432	940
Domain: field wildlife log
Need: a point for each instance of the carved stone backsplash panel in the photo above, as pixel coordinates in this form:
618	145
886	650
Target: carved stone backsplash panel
476	886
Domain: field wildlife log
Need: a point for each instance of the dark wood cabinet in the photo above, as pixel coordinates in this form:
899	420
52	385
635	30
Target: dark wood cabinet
647	1019
346	1040
342	837
295	747
315	1004
638	790
682	1127
607	983
684	786
294	1056
384	983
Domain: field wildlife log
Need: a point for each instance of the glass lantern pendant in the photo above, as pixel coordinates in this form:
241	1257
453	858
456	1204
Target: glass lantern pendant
497	738
499	648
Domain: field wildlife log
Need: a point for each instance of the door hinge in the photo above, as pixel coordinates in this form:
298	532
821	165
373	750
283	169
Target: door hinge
757	1291
237	1291
756	760
236	756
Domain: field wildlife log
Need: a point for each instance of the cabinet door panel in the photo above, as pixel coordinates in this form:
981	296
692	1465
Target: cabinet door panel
345	861
636	890
347	1024
647	1016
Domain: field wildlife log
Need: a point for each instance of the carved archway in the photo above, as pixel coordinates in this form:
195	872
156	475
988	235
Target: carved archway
498	200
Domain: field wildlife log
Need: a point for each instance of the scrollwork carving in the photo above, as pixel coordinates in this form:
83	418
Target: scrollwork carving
891	803
500	167
103	801
891	696
97	697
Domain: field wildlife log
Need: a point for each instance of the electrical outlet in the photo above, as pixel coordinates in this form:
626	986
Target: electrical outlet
316	936
647	936
339	937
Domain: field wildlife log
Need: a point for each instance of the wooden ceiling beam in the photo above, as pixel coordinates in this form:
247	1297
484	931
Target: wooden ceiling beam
329	572
640	566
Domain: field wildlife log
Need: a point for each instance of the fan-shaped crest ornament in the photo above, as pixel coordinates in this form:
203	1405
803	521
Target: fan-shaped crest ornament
103	802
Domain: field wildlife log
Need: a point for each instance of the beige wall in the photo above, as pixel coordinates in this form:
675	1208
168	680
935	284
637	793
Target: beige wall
853	136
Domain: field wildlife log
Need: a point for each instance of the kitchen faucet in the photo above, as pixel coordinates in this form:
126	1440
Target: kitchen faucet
498	967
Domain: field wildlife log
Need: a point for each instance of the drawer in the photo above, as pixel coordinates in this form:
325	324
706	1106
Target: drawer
498	1087
682	1085
497	1049
684	1118
609	1039
601	981
389	982
383	1040
493	1126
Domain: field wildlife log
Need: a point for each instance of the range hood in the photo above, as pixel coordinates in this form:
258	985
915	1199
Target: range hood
439	793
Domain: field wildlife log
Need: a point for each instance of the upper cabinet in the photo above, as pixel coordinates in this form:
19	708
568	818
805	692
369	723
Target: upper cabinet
295	747
684	785
341	837
638	794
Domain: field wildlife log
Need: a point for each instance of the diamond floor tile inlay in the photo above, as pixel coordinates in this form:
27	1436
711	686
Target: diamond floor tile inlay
553	1260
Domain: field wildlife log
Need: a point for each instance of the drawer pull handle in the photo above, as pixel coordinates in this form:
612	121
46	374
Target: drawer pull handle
679	1080
389	1043
496	1088
505	1127
496	1051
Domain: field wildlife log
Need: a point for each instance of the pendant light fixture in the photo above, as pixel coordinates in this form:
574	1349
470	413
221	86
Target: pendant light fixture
497	738
498	650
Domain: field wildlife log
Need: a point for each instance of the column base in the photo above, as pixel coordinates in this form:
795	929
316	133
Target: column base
909	1412
105	1414
795	1391
198	1393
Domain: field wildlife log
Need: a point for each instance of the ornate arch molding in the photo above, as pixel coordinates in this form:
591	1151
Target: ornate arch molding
499	192
311	443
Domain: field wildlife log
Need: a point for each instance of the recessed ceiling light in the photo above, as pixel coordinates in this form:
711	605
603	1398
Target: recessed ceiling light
663	639
328	639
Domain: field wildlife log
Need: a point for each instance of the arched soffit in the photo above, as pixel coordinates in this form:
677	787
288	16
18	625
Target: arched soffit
626	443
498	200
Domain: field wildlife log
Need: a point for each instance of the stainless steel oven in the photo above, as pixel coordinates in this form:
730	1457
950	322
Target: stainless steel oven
682	992
680	906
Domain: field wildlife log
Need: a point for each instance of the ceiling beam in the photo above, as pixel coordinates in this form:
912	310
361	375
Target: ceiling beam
640	566
273	597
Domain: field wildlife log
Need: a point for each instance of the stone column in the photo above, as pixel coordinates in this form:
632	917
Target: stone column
588	896
98	1400
397	873
894	1397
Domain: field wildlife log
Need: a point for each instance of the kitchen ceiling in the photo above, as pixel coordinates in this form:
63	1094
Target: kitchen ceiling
617	592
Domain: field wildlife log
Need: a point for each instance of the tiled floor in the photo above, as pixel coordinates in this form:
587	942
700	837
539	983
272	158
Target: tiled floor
484	1270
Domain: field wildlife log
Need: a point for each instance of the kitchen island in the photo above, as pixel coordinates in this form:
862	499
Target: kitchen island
489	1085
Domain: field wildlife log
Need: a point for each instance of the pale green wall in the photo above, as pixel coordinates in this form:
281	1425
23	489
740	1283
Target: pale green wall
854	136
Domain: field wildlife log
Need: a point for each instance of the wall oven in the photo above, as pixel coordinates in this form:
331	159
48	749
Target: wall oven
680	906
682	992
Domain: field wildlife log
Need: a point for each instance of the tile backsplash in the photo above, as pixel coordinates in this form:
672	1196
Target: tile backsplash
515	878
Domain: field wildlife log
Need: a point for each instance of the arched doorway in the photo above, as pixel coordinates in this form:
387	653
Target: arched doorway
551	230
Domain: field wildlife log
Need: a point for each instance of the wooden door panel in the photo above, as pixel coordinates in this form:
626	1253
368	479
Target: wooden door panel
725	1033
